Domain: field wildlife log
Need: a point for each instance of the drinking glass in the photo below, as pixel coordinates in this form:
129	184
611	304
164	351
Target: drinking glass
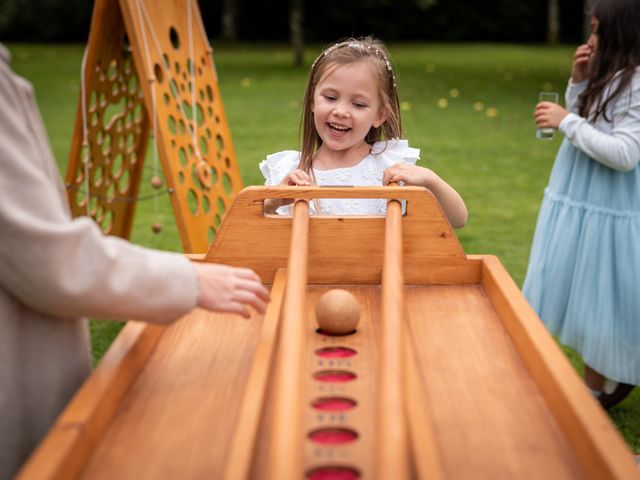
547	133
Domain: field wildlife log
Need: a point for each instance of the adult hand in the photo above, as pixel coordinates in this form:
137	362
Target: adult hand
230	289
549	115
581	63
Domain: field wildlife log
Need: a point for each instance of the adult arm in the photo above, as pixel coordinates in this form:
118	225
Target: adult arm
66	267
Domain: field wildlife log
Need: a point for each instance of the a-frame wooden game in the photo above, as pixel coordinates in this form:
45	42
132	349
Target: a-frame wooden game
148	70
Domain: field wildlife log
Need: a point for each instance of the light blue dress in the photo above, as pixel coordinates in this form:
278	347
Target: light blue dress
583	277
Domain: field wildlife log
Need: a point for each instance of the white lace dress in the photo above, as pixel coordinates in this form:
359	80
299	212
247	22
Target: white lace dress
367	173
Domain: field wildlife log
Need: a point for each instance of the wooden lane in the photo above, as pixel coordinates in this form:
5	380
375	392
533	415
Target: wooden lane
181	411
362	389
489	417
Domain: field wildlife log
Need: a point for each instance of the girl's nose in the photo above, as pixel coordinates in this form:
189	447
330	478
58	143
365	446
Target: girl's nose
340	111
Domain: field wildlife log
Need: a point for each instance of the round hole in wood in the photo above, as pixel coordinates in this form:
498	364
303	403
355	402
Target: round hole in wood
333	435
336	352
331	472
334	376
329	334
333	404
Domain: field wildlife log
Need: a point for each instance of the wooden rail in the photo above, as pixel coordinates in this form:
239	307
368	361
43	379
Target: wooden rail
285	462
392	443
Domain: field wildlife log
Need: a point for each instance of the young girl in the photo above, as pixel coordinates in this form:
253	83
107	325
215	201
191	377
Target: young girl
584	269
350	136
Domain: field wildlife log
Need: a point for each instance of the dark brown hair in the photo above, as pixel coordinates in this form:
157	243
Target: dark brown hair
617	55
343	53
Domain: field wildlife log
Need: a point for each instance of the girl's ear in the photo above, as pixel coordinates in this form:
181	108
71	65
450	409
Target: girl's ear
382	117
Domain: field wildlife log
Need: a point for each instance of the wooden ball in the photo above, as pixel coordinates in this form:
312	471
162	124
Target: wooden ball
337	312
156	228
156	182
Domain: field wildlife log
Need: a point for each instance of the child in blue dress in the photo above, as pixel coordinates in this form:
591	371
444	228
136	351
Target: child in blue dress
351	132
584	271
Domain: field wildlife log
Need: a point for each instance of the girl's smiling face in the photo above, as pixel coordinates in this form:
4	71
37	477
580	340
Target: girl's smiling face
346	104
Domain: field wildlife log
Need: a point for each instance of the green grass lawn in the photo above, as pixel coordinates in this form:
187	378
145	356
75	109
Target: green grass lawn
467	107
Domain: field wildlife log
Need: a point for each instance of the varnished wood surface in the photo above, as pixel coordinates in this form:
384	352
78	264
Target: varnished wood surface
490	419
149	67
594	439
178	418
392	453
483	406
486	391
344	249
284	446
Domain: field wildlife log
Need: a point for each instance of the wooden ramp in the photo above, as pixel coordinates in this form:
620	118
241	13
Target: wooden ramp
450	374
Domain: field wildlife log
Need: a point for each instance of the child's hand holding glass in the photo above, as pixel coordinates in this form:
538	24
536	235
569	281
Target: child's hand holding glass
548	115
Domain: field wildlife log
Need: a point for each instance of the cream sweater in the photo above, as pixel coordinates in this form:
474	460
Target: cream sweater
54	271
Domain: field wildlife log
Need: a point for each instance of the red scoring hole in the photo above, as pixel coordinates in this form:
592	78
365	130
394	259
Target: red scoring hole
336	352
333	436
333	404
334	376
333	473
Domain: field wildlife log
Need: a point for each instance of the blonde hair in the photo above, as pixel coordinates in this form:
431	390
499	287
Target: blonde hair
343	53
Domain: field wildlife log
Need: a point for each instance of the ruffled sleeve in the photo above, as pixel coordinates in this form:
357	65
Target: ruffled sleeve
395	151
276	166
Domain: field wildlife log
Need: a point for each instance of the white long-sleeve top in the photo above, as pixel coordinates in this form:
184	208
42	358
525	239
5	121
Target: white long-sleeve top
54	271
615	144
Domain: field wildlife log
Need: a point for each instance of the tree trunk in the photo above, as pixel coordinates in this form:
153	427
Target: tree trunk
229	23
296	15
553	22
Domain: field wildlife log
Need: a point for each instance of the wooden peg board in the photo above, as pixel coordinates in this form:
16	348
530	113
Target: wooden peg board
449	375
138	51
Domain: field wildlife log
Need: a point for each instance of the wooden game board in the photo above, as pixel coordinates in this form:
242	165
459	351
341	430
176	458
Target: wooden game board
453	375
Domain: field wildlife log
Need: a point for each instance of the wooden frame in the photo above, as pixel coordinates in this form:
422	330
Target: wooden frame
454	375
149	68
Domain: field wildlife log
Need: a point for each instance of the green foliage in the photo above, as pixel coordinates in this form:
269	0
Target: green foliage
469	108
45	19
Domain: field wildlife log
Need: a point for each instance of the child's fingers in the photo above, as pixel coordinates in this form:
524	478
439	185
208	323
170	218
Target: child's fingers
301	178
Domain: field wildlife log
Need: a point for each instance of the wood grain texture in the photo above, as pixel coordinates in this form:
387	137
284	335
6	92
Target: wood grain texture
392	457
485	393
363	389
344	249
244	438
593	437
80	428
488	415
149	67
285	459
187	396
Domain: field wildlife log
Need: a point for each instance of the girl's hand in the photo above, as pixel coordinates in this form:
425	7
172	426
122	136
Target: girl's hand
297	177
581	63
549	115
450	200
409	174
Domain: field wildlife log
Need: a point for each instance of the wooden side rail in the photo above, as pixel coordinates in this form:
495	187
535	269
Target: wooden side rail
69	444
392	460
285	461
